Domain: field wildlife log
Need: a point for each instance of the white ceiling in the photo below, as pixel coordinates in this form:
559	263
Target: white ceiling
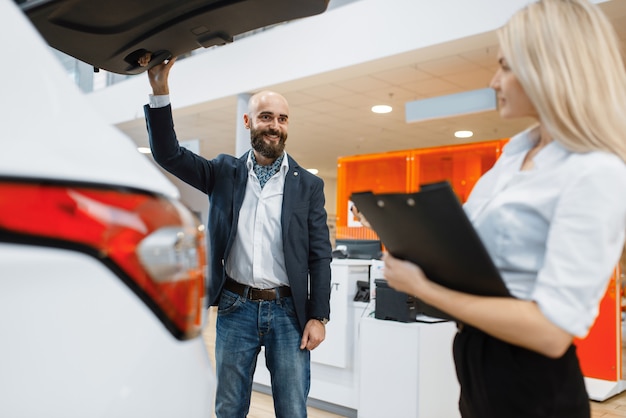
330	113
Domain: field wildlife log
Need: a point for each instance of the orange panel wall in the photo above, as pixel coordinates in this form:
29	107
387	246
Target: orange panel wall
461	165
380	173
404	171
600	353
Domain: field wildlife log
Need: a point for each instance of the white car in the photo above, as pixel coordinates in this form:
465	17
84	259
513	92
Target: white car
102	269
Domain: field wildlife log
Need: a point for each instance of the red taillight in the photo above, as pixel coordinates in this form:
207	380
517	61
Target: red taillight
155	242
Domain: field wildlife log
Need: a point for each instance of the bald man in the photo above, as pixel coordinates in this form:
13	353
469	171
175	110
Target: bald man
270	251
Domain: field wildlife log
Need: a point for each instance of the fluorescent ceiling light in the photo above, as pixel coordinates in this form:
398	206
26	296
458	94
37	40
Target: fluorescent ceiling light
381	109
144	150
464	134
473	101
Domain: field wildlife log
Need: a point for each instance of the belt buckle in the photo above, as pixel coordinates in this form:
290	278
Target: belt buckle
253	290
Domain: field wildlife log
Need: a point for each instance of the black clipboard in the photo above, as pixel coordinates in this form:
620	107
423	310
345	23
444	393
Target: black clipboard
431	229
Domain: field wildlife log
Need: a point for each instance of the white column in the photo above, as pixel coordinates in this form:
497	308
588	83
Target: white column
242	142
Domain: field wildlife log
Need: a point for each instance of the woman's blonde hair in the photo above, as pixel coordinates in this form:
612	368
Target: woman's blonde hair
567	57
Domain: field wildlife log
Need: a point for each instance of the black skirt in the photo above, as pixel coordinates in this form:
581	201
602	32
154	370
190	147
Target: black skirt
501	380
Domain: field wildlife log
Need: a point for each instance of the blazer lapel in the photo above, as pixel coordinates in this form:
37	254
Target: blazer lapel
240	177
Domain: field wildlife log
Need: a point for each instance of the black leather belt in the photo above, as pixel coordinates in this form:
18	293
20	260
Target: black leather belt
256	294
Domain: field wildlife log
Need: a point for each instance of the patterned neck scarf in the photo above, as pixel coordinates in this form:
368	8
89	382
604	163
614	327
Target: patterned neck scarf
265	172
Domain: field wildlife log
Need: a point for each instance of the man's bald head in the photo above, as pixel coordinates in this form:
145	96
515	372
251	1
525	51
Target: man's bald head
265	99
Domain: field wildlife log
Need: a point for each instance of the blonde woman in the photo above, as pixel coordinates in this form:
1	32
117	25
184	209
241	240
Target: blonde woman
551	212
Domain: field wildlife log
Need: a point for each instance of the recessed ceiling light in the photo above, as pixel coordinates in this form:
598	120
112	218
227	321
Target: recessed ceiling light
381	109
464	134
144	150
313	170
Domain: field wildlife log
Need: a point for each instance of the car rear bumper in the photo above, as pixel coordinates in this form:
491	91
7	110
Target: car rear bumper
77	342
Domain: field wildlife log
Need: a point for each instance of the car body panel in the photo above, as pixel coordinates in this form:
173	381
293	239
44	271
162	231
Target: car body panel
76	342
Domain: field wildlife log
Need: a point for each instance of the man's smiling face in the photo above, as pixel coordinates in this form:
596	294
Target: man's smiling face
268	121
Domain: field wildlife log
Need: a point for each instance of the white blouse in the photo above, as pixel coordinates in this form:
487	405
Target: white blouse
555	232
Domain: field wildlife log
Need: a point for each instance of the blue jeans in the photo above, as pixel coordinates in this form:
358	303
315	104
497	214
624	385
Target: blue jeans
243	326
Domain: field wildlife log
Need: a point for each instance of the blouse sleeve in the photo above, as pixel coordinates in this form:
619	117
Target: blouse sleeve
584	243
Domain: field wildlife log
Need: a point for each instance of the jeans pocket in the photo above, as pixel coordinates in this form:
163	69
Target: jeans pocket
286	304
229	302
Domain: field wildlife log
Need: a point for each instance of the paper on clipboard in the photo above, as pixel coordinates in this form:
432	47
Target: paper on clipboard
431	229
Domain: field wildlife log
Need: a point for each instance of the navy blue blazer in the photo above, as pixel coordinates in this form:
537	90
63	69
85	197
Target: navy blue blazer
305	233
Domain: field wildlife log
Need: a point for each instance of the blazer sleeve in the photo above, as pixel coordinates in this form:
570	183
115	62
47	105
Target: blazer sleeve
319	255
184	164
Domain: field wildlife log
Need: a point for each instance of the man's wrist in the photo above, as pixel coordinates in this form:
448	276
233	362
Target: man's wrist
323	320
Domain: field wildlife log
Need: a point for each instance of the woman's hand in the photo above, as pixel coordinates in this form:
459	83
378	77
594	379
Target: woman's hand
359	216
404	276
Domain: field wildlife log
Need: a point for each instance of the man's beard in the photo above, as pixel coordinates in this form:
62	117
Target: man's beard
267	150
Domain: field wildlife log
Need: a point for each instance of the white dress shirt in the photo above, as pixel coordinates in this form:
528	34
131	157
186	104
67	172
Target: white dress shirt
159	100
556	231
257	258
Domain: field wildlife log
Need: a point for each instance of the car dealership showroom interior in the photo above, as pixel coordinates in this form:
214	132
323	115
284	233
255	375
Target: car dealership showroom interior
111	266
